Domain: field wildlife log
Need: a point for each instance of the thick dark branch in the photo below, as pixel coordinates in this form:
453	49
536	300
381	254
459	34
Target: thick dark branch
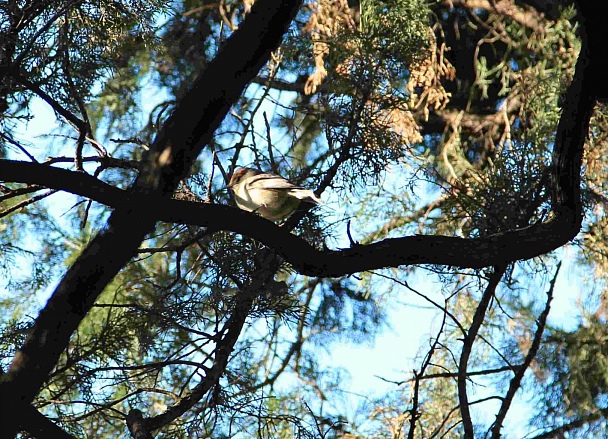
173	152
177	145
77	183
38	425
186	131
225	346
517	244
514	245
137	425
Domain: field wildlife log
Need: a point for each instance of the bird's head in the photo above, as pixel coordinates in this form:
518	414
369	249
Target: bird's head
241	174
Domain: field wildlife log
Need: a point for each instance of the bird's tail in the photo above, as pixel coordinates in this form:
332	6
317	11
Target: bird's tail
306	195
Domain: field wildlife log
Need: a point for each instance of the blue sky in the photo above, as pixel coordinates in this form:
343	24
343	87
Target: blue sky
411	320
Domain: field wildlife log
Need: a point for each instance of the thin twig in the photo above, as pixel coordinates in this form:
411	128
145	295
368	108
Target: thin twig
85	127
432	376
467	347
208	198
418	293
515	383
19	146
12	193
268	139
27	202
414	412
55	105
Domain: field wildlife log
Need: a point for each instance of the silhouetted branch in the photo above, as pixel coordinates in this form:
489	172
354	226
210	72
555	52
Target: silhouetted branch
467	347
558	433
519	244
137	425
27	202
414	413
515	382
175	148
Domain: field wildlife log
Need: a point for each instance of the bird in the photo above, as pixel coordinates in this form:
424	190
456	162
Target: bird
271	196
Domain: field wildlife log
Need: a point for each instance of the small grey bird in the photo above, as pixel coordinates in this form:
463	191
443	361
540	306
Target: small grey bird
272	196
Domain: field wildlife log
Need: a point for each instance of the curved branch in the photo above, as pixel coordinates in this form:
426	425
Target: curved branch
177	145
482	252
517	244
55	105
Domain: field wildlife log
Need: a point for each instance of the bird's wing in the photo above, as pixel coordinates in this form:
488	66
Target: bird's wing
269	181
